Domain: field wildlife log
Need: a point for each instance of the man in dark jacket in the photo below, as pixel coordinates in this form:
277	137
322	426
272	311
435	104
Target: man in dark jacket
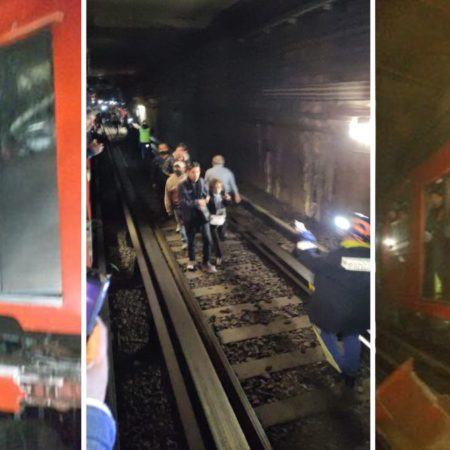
340	304
193	196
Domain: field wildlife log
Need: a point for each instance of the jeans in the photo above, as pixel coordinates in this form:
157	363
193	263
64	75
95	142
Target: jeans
191	230
179	221
217	232
348	361
144	149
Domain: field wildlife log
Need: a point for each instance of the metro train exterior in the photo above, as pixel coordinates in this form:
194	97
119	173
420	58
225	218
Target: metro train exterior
415	255
40	204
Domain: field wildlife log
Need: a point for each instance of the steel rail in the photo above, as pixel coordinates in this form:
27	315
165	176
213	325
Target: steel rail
418	354
188	418
214	405
295	272
282	227
245	413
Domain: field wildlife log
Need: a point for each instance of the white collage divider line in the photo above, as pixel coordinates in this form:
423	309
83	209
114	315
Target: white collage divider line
373	222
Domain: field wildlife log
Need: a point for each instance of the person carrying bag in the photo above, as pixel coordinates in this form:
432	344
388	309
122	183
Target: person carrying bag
218	201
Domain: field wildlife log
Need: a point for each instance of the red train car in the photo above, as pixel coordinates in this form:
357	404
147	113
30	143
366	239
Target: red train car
40	200
415	256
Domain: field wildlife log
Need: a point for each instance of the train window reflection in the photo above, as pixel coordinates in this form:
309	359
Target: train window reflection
437	241
30	266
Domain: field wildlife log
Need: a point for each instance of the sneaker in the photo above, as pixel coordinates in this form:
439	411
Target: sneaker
209	268
191	266
218	261
178	228
184	246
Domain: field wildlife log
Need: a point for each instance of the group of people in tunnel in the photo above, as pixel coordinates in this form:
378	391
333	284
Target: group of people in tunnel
197	204
340	304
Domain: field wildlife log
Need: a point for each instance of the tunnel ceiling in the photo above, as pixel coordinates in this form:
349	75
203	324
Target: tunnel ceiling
131	39
413	83
126	37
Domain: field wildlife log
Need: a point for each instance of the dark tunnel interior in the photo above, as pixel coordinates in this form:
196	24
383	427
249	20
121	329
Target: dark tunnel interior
273	86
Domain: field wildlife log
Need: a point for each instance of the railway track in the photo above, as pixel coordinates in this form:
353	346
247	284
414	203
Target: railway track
206	416
254	329
263	327
393	350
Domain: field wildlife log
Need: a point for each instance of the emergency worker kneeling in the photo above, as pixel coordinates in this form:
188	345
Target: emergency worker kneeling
340	304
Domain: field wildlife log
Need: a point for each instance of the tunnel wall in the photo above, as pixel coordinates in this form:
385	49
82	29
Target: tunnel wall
278	105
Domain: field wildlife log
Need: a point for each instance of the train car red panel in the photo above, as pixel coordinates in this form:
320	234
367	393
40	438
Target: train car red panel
416	242
40	160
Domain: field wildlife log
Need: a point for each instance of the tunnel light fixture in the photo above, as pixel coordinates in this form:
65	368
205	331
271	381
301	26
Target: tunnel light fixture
390	242
342	223
141	112
360	130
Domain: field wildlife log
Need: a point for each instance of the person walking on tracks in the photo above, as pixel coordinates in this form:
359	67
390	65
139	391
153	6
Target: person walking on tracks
172	198
217	207
144	140
181	153
194	198
158	178
218	171
340	304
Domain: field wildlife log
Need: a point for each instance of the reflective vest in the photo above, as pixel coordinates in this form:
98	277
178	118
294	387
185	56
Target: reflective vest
144	135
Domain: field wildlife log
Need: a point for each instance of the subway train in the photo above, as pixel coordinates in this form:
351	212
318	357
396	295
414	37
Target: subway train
415	255
40	204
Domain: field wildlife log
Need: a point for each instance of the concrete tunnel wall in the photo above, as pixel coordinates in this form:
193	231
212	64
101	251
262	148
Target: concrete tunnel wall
278	106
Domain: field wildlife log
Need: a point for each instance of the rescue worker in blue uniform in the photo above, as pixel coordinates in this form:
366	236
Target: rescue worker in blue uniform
340	304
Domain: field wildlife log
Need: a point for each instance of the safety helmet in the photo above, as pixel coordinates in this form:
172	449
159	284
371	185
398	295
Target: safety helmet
360	228
356	227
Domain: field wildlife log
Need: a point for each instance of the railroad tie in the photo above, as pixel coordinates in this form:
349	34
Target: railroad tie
172	237
266	305
277	363
256	331
212	290
302	405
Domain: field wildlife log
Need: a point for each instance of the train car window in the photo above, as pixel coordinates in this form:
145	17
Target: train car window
398	229
436	276
30	267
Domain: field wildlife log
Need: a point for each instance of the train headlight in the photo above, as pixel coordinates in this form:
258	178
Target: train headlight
342	223
103	107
